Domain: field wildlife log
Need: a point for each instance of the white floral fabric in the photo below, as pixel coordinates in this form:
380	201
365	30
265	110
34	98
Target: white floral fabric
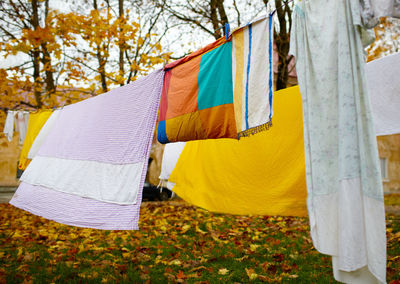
342	166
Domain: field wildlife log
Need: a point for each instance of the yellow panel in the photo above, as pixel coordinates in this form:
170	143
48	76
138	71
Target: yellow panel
35	124
238	40
262	174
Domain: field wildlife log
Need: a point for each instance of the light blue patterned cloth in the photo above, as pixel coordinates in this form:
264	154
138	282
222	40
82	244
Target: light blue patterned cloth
345	194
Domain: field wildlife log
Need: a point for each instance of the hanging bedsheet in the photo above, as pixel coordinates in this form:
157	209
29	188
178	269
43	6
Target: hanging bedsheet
345	195
9	125
92	164
223	90
383	80
171	154
16	121
263	174
35	124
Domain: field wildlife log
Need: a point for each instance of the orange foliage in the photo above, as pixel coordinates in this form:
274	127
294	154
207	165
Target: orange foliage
387	39
72	47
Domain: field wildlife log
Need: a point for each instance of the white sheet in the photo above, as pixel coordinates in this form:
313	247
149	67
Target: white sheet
171	154
383	80
102	181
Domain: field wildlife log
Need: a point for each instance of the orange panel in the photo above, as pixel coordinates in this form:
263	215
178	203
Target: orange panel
183	89
185	128
219	122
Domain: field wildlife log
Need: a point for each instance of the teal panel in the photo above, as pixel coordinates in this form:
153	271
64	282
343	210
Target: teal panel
215	77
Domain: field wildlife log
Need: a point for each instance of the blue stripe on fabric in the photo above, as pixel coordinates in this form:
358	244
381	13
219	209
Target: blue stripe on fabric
161	132
270	66
247	79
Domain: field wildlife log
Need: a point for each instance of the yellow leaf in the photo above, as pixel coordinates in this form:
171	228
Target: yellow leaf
185	228
254	247
251	274
223	271
175	262
20	251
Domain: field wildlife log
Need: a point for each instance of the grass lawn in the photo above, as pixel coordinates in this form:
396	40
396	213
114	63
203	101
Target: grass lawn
176	243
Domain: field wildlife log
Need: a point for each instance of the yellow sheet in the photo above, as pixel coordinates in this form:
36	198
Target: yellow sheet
36	122
262	174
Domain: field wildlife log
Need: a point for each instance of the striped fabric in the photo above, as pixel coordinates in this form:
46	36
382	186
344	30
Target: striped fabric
95	155
252	74
223	90
74	210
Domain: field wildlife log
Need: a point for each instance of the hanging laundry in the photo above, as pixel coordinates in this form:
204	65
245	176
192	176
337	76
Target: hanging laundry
264	174
345	195
98	149
170	157
16	121
223	90
9	125
44	131
73	210
21	125
36	122
383	82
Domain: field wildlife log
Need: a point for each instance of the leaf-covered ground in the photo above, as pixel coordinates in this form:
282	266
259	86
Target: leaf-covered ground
176	243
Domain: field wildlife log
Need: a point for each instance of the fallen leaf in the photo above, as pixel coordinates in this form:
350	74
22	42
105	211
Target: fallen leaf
223	271
175	262
251	274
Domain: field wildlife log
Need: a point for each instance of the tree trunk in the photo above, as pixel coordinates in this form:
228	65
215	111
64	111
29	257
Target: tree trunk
214	18
102	70
222	13
46	60
101	61
37	84
282	44
121	44
282	41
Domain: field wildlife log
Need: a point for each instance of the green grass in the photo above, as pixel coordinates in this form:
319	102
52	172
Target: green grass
177	243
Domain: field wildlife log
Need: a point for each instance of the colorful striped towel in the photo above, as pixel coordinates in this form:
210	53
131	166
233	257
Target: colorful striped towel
223	90
97	150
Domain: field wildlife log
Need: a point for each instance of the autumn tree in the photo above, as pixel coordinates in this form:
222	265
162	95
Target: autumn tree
24	29
61	54
120	45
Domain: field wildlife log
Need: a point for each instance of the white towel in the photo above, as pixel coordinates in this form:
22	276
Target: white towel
9	125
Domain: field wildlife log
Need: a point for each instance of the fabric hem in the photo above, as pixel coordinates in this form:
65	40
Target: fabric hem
15	204
254	130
